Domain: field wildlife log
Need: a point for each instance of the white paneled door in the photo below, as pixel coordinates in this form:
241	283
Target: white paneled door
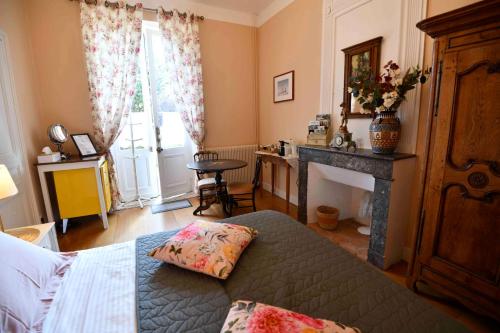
140	130
174	147
15	211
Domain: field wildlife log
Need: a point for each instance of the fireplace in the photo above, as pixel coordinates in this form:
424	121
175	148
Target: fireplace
389	177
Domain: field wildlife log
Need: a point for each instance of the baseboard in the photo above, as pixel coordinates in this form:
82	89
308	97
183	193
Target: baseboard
280	193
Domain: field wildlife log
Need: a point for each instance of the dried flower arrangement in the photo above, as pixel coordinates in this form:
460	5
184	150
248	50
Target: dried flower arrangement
386	91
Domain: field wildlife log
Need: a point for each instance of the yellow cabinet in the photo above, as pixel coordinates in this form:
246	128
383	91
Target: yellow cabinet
81	187
77	192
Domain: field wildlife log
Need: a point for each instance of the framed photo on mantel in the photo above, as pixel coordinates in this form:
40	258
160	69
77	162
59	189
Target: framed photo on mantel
360	56
284	87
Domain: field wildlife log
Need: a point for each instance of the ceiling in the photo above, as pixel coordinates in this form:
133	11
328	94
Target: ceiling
247	6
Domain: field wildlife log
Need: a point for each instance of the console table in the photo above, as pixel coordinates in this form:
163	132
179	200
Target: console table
391	196
277	160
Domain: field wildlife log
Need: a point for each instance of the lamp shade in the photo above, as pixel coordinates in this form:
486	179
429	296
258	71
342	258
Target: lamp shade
7	186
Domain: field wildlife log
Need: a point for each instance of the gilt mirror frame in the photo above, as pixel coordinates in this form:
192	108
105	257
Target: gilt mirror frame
371	48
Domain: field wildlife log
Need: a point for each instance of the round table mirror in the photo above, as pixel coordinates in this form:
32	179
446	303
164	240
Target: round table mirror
58	135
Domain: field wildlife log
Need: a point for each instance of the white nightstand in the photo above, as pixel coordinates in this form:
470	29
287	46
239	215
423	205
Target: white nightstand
43	235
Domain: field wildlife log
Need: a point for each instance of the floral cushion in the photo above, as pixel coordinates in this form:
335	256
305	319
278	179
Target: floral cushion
254	317
207	247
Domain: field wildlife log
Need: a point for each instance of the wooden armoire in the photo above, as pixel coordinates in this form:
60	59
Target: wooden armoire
457	247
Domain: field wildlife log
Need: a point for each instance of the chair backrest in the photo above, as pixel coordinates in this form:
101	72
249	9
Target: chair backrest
204	156
256	177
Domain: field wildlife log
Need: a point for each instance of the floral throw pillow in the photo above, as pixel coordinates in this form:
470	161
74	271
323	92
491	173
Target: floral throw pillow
207	247
254	317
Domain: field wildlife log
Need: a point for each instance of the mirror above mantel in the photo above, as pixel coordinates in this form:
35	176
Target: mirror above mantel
363	55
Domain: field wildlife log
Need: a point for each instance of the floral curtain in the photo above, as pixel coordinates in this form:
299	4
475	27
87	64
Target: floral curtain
181	42
111	39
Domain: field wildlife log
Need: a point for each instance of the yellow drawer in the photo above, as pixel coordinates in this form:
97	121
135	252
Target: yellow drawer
77	193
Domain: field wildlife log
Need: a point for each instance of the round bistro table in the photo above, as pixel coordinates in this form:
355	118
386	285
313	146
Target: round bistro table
218	167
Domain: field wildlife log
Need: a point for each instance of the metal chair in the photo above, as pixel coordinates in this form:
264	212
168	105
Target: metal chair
239	192
207	186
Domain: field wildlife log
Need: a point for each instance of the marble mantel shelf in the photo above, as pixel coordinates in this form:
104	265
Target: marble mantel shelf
363	160
393	179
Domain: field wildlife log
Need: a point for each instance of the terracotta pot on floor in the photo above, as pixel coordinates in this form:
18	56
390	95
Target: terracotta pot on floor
328	217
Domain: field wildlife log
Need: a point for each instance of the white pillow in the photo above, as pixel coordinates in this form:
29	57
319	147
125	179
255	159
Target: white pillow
29	277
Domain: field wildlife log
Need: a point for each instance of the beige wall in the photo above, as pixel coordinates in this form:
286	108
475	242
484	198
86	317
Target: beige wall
60	67
229	66
13	22
291	40
228	55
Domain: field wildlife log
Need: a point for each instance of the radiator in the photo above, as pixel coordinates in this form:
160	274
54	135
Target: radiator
243	153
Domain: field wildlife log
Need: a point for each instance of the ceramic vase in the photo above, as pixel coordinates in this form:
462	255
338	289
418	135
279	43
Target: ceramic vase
385	131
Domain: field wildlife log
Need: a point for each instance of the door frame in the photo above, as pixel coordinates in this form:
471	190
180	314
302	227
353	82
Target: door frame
26	190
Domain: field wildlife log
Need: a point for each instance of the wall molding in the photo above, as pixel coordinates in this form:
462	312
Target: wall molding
332	10
223	14
210	12
274	8
411	51
411	48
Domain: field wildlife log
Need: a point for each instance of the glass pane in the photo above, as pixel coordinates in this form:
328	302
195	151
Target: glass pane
172	130
138	103
163	90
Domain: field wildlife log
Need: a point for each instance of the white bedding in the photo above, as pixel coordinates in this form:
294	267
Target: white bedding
97	294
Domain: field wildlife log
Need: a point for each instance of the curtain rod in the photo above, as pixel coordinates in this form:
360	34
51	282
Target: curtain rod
115	4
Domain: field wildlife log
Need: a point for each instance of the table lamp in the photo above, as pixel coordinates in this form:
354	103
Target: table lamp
7	187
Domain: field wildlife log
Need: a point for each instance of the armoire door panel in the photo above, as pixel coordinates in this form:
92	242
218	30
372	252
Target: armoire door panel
476	124
468	222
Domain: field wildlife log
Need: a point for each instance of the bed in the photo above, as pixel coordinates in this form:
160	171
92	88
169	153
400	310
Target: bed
119	288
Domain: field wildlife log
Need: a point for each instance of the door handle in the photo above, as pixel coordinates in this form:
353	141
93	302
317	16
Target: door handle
159	149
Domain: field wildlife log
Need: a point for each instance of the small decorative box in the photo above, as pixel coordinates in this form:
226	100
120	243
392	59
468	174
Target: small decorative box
49	158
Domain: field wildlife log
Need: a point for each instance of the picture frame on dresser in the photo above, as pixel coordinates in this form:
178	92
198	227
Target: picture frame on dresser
362	55
84	144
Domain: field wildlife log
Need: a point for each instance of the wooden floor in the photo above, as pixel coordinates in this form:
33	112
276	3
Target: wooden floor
128	224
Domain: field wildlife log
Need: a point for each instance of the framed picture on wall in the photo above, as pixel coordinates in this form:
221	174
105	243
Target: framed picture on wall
365	55
284	87
84	145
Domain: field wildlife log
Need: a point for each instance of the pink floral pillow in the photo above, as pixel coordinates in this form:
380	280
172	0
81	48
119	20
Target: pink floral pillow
254	317
206	247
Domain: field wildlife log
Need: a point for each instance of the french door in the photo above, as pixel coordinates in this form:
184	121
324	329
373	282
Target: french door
173	146
135	150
